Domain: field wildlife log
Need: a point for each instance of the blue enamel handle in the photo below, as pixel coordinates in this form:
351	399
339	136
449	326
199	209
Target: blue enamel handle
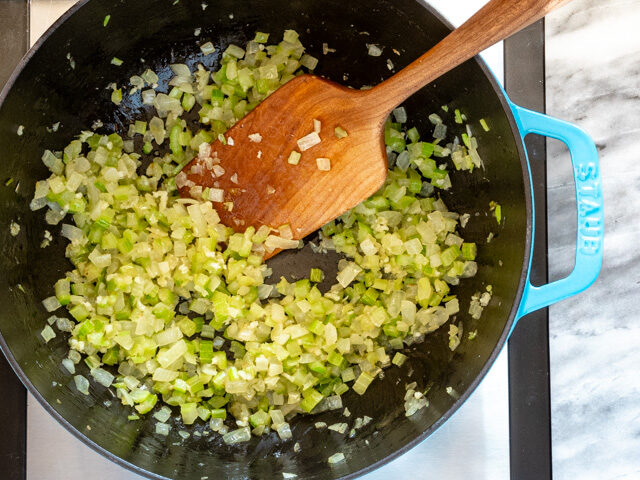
586	173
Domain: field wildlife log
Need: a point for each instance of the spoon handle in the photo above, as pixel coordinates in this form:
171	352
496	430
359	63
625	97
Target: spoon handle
496	21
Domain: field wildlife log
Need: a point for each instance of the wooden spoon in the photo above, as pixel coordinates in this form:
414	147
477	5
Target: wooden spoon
266	190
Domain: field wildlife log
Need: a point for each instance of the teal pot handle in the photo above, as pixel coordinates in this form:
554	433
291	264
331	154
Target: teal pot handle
590	212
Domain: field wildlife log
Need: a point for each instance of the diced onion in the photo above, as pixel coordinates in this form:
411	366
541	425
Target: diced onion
237	436
294	158
47	334
163	429
102	377
308	141
275	242
51	303
324	164
336	458
373	50
82	384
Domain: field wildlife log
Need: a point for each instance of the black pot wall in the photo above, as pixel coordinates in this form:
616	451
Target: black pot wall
47	90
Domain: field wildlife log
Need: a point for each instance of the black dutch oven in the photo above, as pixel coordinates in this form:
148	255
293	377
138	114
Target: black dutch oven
44	90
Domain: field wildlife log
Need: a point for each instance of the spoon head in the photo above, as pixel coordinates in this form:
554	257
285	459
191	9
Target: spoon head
261	187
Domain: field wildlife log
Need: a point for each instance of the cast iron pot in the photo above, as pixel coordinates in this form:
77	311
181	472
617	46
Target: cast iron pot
45	90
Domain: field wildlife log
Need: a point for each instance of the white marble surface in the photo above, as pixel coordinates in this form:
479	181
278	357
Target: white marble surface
593	80
479	430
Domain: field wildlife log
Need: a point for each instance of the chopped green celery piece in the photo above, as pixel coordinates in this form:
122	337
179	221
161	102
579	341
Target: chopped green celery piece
316	327
63	291
220	359
219	412
391	331
199	323
340	132
111	357
217	97
290	36
399	359
310	399
469	251
318	367
449	255
188	101
206	351
147	405
116	96
370	296
335	358
195	385
413	134
174	139
316	275
424	292
259	418
302	288
497	211
140	127
362	383
394	140
189	412
294	157
79	312
261	37
484	125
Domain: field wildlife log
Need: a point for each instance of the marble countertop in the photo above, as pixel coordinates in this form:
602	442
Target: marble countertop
593	80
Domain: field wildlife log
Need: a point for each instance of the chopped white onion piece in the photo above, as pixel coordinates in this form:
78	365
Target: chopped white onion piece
82	384
51	303
237	436
284	431
324	164
180	70
308	141
216	195
68	364
274	242
163	429
373	50
14	229
148	96
102	376
163	414
400	114
47	334
336	458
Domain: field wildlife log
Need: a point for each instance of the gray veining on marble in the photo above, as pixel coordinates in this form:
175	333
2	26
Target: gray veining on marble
593	80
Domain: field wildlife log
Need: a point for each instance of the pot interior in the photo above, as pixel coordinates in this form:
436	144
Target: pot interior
49	91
